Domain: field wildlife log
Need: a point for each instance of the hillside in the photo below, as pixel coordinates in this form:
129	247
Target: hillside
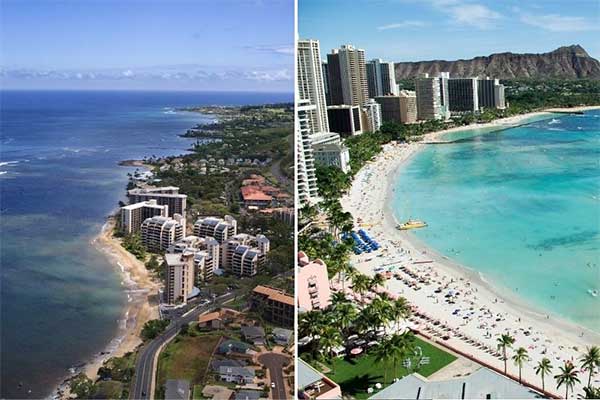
568	62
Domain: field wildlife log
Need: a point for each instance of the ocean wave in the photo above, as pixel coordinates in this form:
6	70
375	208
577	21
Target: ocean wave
554	121
8	163
3	172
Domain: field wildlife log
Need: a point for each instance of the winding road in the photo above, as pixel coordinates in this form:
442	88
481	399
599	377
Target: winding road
144	365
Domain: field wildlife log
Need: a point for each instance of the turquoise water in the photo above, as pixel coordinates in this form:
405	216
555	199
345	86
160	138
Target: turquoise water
521	206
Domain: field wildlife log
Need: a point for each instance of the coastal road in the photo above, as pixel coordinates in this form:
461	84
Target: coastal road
144	365
275	363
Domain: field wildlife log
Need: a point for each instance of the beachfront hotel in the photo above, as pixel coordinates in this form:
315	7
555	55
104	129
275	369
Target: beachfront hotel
133	215
328	149
491	93
372	115
179	278
219	228
345	119
158	233
311	85
381	78
244	254
312	284
167	195
306	180
206	250
463	95
347	74
428	97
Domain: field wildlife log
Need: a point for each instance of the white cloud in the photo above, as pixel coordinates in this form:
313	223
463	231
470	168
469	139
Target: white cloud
400	25
559	23
467	13
287	50
157	73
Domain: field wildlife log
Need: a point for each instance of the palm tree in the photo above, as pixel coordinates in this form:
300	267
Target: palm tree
505	341
345	315
590	361
329	340
311	324
544	367
402	346
591	393
382	356
519	358
400	310
360	284
567	377
381	308
377	280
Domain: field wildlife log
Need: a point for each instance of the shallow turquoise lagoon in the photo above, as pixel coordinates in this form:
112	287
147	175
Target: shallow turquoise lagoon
519	205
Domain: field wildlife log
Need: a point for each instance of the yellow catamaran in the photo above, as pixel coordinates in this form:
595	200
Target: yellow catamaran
411	224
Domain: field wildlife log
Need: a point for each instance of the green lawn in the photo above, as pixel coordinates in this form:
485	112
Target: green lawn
356	375
186	357
197	394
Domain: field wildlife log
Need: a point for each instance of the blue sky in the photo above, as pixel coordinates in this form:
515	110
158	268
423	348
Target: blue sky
148	44
416	30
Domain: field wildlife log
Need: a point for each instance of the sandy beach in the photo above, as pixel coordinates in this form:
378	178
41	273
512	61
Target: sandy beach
484	312
142	304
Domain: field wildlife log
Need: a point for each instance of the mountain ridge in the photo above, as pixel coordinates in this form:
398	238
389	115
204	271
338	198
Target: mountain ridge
567	62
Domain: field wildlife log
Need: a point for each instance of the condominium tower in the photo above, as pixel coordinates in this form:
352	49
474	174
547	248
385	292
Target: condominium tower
220	229
311	84
179	278
428	98
463	95
381	78
490	93
245	255
133	215
347	76
168	195
306	178
158	233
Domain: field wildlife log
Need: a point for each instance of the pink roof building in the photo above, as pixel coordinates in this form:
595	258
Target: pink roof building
312	284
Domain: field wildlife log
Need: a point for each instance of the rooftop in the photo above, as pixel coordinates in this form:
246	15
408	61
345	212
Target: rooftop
481	384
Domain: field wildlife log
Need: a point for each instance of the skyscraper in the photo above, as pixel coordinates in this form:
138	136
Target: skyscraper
381	78
345	119
310	83
463	95
372	111
428	98
306	178
490	93
348	76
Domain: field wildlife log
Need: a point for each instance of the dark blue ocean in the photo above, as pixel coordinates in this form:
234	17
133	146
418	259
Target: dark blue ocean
61	300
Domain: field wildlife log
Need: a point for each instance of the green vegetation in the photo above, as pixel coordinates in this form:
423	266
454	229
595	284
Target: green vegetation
153	328
186	357
109	390
526	95
82	386
356	375
133	244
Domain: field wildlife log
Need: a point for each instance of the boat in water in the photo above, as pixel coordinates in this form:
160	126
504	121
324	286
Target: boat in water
411	224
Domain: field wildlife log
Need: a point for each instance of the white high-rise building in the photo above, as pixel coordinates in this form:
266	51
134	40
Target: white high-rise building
311	85
133	215
158	233
381	78
429	103
179	278
307	180
372	111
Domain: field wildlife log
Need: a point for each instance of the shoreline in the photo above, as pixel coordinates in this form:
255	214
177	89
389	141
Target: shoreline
139	287
370	200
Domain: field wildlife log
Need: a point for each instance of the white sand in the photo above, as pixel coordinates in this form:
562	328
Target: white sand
488	313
